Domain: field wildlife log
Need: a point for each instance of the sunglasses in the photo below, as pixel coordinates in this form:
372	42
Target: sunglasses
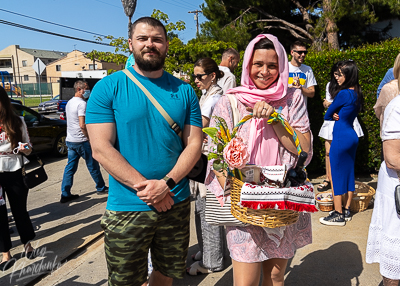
301	52
199	76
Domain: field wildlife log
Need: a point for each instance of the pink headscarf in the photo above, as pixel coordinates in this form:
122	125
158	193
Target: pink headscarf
263	142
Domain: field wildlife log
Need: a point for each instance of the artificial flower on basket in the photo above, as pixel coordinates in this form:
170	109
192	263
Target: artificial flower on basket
230	153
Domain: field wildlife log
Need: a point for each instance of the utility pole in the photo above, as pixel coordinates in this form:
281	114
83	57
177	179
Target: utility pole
196	18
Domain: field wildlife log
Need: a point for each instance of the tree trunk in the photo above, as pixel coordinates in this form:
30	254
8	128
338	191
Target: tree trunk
331	27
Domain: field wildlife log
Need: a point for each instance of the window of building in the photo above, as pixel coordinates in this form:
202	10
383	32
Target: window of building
91	66
58	67
5	64
24	63
26	77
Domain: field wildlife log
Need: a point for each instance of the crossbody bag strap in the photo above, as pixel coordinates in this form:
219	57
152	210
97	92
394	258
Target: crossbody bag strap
235	110
41	164
160	109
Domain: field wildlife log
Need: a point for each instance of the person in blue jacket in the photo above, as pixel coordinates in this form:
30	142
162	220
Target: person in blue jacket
346	104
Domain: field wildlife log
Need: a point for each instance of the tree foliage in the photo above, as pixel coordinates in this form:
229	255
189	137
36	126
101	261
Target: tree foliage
180	58
312	22
121	46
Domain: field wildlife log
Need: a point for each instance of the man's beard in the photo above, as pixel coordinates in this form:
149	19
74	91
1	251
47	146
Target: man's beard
154	63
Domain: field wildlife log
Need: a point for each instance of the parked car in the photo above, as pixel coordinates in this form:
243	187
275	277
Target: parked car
46	134
16	101
49	106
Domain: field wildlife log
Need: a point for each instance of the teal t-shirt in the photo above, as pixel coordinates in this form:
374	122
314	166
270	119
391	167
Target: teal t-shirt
143	136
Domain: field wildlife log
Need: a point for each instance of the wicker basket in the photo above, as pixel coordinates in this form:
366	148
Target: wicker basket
270	218
325	206
361	198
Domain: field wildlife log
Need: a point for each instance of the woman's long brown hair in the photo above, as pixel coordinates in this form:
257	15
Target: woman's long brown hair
11	122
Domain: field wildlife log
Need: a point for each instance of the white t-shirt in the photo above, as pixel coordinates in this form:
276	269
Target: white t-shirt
10	162
328	96
228	80
76	107
391	121
305	75
207	107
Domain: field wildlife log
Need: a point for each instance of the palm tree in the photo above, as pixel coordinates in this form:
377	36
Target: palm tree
129	8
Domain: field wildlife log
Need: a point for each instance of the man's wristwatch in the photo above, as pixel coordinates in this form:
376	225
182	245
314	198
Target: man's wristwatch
170	182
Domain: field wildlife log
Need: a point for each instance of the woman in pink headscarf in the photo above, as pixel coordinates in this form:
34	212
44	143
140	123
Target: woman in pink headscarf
264	89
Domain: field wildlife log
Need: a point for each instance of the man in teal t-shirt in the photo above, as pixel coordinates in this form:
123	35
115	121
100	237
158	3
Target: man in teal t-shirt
148	205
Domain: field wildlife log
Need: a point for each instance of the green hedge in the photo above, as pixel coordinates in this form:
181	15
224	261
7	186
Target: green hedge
373	62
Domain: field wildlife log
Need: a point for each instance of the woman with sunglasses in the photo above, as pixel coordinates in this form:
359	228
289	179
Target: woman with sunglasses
211	239
13	131
264	88
347	102
326	131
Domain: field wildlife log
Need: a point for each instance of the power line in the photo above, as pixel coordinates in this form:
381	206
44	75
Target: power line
187	4
48	22
187	7
50	33
109	4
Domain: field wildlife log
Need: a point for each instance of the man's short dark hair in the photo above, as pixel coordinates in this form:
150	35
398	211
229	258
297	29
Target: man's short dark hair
80	84
297	44
230	52
146	20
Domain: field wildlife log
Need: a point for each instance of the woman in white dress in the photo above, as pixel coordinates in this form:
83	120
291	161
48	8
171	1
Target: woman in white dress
327	128
383	244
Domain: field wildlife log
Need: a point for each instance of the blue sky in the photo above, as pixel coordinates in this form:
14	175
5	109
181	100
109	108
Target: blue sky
104	17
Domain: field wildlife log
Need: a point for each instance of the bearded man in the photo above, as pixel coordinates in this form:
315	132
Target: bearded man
148	204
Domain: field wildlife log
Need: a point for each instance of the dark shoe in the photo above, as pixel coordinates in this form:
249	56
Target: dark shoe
103	192
4	266
324	187
68	199
347	214
334	218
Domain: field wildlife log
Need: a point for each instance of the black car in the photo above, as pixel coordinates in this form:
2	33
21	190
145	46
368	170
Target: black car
16	101
46	134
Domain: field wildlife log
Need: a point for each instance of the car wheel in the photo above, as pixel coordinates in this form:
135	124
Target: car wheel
60	145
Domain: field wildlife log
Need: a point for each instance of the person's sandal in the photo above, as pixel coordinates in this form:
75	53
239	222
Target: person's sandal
195	269
322	187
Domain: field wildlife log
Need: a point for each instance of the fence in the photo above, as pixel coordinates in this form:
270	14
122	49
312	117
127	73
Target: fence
28	86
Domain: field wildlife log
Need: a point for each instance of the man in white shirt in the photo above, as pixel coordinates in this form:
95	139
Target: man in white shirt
230	61
78	143
301	76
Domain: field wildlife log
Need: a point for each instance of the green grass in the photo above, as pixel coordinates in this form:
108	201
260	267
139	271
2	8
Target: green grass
34	101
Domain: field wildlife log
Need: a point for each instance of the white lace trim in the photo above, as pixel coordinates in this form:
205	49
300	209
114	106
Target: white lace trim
384	250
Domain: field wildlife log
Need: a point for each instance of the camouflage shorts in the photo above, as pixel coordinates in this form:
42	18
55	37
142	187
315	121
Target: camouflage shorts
130	235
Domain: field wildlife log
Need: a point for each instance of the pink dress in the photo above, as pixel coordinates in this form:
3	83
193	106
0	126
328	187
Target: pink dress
252	243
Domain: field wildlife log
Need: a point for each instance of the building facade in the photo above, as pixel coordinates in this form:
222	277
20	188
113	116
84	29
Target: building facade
18	63
77	61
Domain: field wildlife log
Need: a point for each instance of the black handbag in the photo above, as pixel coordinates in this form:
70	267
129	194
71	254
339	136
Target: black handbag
397	198
34	177
198	173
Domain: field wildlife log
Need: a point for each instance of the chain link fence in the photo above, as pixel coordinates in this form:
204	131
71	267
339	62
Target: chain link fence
28	90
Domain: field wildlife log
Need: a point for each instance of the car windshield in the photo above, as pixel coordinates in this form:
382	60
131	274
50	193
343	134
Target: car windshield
26	114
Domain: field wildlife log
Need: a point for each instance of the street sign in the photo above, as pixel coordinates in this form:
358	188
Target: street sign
39	66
